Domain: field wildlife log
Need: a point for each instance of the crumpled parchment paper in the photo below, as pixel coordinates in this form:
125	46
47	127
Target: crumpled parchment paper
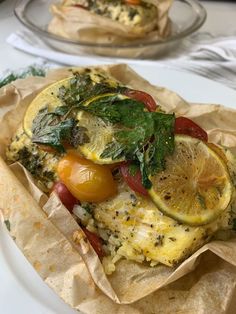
42	228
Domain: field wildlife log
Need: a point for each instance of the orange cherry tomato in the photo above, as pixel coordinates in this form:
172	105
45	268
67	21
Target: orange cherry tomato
86	180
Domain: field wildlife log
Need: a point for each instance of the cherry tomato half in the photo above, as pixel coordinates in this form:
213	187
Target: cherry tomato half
80	6
186	126
133	181
67	199
133	2
143	97
95	241
86	180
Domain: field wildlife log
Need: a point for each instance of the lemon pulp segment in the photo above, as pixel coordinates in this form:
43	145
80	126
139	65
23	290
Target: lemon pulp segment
47	98
195	188
100	133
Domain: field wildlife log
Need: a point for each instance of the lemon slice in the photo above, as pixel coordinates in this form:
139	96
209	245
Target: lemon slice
195	188
100	133
47	98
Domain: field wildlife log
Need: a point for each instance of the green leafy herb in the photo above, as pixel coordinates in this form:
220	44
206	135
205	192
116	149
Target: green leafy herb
133	169
162	144
134	125
82	88
55	128
30	161
140	135
30	71
146	138
88	207
8	225
201	200
50	128
78	136
234	224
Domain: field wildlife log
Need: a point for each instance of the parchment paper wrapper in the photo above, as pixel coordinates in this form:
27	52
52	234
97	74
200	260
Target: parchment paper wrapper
84	26
43	228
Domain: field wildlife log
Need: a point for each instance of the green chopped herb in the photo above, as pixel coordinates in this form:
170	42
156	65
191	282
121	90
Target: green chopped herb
234	224
8	225
146	138
50	128
88	207
30	71
201	200
133	169
140	135
82	88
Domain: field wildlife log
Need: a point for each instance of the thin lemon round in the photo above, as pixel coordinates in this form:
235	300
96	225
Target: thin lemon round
100	134
46	98
195	188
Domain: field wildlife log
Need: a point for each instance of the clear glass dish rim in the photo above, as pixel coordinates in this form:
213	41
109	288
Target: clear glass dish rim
198	8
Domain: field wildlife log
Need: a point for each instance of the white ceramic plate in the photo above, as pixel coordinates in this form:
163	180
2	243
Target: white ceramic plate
21	289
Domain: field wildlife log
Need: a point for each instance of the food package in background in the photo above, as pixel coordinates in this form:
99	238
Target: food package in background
82	25
42	228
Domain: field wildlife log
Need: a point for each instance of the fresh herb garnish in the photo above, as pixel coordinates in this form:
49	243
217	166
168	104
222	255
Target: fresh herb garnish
8	225
162	144
50	128
234	224
82	87
146	138
30	71
30	161
202	201
139	135
133	169
55	128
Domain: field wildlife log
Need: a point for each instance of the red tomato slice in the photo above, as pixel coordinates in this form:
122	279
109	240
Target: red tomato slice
80	6
143	97
67	199
186	126
133	2
95	241
133	181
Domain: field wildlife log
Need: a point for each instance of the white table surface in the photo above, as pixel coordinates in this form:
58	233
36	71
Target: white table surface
221	21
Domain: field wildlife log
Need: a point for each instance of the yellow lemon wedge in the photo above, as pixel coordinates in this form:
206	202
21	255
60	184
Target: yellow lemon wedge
100	133
195	188
47	98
